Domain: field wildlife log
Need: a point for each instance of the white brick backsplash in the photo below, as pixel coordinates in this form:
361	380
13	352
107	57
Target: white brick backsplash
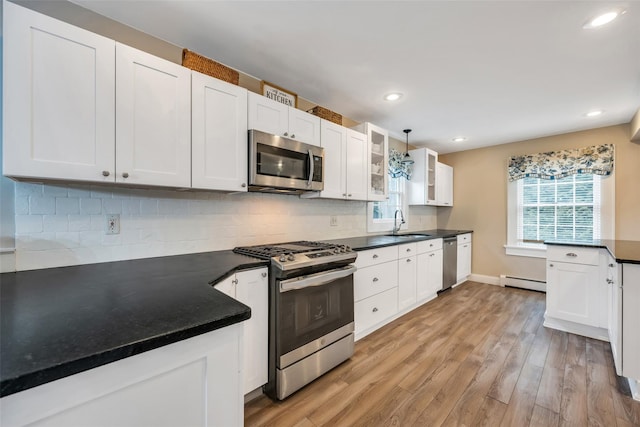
66	206
42	205
164	222
90	206
28	224
55	223
112	206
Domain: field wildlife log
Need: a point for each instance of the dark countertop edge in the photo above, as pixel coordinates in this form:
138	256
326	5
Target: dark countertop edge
432	234
24	382
258	263
599	245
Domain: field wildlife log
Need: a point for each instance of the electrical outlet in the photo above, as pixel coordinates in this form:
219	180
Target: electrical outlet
333	221
113	224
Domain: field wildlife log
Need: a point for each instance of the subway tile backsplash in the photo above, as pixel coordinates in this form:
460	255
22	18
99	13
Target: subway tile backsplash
60	225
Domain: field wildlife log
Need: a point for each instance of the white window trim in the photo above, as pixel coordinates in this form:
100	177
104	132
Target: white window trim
387	224
539	250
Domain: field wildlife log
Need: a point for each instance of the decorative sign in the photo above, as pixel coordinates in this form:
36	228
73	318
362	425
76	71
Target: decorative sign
279	94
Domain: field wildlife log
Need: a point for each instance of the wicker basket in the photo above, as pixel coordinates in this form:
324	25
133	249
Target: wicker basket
326	114
208	66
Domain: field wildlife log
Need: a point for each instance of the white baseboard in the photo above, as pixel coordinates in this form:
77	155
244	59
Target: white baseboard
576	328
521	282
489	280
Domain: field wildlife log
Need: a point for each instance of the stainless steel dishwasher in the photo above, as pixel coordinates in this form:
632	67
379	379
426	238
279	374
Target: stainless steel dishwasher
450	262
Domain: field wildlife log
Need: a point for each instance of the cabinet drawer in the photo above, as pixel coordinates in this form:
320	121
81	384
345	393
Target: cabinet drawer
464	238
573	255
375	309
372	280
407	250
429	245
376	256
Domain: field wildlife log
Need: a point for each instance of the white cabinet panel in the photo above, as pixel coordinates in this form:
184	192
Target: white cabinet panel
377	161
444	185
571	292
267	115
59	103
372	280
356	164
153	119
406	282
376	309
614	323
464	261
429	274
376	256
630	321
422	186
304	127
333	139
219	134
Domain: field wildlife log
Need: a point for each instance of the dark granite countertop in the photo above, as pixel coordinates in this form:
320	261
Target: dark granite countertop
60	321
362	243
624	251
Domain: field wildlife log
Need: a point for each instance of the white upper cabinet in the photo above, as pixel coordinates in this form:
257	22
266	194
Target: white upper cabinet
59	114
345	164
444	185
153	120
276	118
377	161
219	134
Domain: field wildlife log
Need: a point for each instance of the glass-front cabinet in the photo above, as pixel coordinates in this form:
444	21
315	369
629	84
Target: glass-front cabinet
378	161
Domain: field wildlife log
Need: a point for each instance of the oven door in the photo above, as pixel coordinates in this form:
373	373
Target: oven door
284	163
313	312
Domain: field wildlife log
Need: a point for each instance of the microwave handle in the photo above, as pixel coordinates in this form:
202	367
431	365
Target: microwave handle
310	169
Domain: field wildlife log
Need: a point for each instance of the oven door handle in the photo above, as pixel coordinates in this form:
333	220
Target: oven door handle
317	279
311	167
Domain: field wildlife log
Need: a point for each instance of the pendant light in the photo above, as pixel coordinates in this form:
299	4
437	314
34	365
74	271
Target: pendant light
407	160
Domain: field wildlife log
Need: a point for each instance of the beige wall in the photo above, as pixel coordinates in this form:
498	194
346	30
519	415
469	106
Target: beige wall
480	195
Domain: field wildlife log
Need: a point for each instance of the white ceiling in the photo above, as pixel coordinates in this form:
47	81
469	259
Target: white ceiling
493	71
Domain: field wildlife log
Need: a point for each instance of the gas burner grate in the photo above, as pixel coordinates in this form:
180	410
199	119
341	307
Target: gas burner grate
269	251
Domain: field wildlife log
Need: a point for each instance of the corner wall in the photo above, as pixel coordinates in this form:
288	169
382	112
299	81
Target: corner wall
480	196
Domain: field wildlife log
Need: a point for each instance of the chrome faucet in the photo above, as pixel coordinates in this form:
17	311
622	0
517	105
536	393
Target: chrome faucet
396	227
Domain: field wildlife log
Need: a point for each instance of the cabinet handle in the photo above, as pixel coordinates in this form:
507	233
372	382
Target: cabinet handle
408	249
293	135
375	256
234	281
286	134
572	255
466	246
375	309
375	279
611	265
408	259
432	255
344	194
125	175
264	274
243	185
105	173
609	281
349	194
550	265
431	245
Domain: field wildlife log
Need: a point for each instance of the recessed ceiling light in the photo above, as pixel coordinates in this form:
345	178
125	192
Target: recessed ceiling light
594	113
459	139
393	96
602	19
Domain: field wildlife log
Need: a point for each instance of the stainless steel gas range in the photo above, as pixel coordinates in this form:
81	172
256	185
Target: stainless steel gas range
310	311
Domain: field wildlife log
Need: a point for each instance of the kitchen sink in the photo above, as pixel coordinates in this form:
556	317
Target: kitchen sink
408	235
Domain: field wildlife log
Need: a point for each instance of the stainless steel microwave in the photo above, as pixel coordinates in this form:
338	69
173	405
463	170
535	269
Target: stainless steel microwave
281	164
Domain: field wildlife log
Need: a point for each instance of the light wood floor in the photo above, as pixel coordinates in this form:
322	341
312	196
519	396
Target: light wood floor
476	355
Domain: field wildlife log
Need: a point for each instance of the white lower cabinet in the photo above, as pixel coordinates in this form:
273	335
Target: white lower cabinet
464	257
614	302
407	275
251	288
429	269
630	320
376	309
196	381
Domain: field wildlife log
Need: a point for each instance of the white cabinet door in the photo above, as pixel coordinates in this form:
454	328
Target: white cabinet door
356	163
153	120
429	274
422	186
614	324
333	140
252	289
406	282
304	127
464	261
630	321
572	292
227	286
375	310
219	134
59	113
444	184
268	115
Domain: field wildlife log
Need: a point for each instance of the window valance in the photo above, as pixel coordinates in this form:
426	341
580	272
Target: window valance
396	167
597	160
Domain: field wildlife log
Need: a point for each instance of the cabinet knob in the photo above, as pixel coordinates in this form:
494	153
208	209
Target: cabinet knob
408	259
408	249
375	256
243	185
344	194
375	279
611	265
264	274
572	255
432	255
375	309
125	175
609	281
234	281
286	134
550	265
293	135
105	173
349	194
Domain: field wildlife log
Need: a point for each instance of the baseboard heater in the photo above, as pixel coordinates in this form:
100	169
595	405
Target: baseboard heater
520	282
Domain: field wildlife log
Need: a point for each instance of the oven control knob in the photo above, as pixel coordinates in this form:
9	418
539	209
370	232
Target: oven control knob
291	257
283	258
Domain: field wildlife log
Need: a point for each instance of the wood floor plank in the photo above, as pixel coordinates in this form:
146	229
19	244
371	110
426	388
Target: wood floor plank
441	363
543	417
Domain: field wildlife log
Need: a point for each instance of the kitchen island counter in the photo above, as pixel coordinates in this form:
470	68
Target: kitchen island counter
61	321
624	251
